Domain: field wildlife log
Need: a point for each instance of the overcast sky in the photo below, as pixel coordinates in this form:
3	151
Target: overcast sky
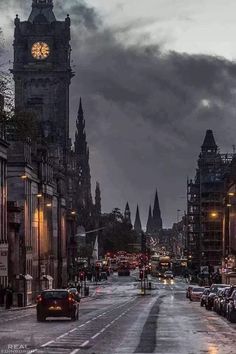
153	75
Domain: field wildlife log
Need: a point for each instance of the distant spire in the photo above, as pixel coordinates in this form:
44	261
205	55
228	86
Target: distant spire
209	144
98	199
137	223
149	221
156	221
81	112
127	214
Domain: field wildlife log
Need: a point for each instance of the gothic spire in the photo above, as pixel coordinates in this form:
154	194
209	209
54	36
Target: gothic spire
98	199
149	221
80	135
157	221
209	144
42	12
137	223
127	214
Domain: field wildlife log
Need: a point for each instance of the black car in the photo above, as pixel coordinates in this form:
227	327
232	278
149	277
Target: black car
231	308
204	296
57	303
225	301
212	294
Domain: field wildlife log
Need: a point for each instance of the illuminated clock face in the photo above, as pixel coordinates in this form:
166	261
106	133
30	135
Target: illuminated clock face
40	50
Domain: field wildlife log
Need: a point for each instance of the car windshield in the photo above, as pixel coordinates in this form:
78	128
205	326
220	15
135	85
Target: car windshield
197	290
215	288
55	295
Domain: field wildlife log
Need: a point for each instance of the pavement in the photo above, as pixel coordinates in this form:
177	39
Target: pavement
115	320
92	287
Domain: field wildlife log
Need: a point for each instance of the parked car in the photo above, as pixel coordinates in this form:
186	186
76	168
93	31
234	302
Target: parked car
204	296
231	308
57	303
217	300
212	294
168	275
196	293
225	299
221	301
188	291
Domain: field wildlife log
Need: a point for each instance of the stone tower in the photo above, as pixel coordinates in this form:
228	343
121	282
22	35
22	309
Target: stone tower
157	220
127	214
149	221
137	223
83	197
98	207
42	71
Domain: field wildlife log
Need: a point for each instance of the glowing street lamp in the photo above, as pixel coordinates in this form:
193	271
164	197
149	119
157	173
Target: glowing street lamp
214	214
48	205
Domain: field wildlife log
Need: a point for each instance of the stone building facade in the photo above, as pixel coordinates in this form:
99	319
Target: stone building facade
4	247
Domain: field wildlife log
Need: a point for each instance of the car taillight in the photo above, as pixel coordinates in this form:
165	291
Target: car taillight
39	299
70	298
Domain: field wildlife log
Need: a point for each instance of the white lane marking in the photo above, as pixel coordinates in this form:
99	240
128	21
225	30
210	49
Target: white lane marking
96	335
88	322
85	343
63	335
82	325
73	330
44	345
75	351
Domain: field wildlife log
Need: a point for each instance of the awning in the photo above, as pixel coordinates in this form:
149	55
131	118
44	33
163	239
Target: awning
47	277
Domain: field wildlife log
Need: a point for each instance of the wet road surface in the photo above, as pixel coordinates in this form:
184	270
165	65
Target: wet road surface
117	319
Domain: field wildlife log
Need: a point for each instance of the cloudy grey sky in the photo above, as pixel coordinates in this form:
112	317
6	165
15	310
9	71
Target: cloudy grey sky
154	75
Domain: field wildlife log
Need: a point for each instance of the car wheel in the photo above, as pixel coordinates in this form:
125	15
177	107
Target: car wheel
74	317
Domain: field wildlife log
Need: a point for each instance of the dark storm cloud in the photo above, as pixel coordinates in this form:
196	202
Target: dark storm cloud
146	110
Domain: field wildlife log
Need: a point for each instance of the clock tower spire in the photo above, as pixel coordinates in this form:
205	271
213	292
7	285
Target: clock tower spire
42	71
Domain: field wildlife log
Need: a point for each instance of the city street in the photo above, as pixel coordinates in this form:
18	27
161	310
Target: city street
117	319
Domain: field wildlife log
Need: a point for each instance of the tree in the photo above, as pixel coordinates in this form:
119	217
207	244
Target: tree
118	234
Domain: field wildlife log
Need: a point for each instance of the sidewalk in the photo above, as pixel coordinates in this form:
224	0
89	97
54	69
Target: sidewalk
15	308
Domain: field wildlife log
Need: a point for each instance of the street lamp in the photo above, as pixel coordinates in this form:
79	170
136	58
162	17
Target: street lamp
214	215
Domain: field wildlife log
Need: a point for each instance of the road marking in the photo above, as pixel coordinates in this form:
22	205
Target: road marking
63	335
82	325
44	345
75	351
73	330
96	335
85	343
88	322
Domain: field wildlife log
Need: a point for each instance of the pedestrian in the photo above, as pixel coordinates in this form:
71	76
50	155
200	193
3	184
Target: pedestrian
9	296
2	295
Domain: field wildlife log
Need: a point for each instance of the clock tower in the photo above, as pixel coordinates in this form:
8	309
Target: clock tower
42	71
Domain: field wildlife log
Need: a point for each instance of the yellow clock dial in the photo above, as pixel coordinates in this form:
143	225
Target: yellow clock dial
40	50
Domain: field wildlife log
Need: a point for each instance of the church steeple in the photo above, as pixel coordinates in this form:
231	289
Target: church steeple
42	12
83	197
149	221
127	214
157	221
137	223
98	200
209	144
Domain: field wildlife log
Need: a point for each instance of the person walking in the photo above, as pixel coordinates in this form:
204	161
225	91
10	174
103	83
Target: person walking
9	297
